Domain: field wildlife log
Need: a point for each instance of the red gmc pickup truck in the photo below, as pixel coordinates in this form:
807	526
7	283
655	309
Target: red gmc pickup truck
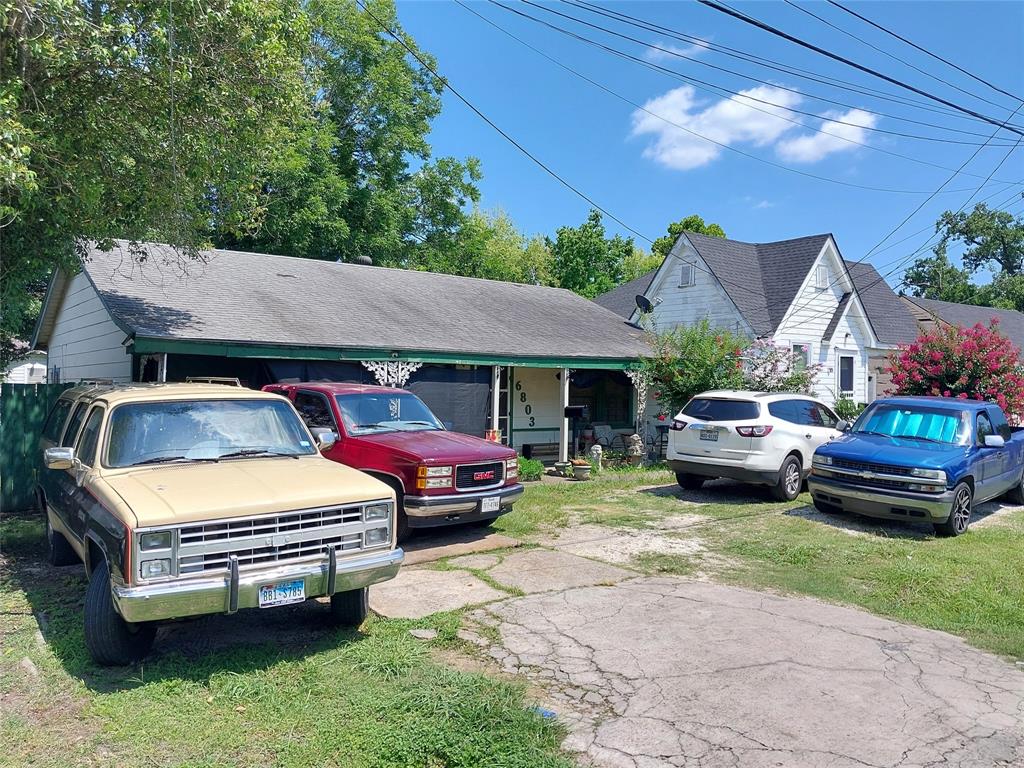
440	477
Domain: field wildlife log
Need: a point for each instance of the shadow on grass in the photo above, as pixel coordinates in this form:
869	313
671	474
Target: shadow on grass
893	529
716	492
190	650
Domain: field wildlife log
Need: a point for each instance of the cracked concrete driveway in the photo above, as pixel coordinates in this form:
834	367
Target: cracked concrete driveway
667	672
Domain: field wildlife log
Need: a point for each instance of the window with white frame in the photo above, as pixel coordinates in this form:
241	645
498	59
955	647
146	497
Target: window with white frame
846	375
801	356
687	275
821	278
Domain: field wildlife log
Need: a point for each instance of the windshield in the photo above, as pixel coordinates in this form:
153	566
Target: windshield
371	413
914	422
203	430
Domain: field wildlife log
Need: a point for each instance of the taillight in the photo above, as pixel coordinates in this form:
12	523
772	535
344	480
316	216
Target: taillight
677	425
759	430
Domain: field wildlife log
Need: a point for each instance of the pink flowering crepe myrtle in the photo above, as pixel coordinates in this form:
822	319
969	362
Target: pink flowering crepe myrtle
975	363
771	367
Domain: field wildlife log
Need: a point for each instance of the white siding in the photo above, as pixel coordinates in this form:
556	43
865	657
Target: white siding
687	306
85	343
808	318
31	370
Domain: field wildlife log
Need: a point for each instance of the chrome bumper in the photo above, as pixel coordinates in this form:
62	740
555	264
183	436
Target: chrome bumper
460	503
227	592
892	505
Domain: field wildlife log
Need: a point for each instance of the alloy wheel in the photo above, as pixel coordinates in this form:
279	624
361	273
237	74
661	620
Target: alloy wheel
793	479
962	510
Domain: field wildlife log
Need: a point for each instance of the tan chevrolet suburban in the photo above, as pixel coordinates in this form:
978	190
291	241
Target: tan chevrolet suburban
192	499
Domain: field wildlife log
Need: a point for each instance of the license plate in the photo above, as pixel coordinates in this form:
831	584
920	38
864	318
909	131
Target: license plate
709	434
282	594
490	505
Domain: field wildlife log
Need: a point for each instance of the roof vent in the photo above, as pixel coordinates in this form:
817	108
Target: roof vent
364	260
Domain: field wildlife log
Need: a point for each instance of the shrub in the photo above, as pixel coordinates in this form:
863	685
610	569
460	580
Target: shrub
976	363
686	361
772	368
847	409
530	469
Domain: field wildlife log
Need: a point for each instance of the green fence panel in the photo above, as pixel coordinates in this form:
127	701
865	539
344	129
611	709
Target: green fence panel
23	409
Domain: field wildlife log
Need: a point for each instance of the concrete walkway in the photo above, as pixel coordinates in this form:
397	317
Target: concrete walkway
655	672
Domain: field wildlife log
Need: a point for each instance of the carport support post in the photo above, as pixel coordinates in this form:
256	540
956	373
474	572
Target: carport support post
495	396
563	432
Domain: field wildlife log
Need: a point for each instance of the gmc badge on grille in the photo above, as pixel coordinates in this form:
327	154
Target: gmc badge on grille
488	475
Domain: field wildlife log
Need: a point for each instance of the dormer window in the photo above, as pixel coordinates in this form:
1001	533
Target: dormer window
821	278
686	275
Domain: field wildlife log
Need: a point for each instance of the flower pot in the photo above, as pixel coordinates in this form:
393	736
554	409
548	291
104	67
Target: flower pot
563	468
582	473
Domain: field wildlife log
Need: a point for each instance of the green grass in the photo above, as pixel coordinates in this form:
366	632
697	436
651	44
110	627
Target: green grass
308	696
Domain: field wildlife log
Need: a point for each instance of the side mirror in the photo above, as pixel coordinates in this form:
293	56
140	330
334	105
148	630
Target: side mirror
994	441
59	458
324	437
843	425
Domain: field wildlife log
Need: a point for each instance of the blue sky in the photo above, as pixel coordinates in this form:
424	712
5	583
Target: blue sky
642	167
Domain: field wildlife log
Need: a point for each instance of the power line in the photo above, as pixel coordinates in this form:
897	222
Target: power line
892	56
777	86
746	19
925	50
833	82
713	89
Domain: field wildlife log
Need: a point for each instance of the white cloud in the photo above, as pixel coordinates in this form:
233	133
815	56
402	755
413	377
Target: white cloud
662	51
762	204
741	119
728	121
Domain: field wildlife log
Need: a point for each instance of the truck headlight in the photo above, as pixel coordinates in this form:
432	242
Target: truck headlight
929	474
376	536
435	482
435	471
822	461
377	512
512	467
153	569
155	540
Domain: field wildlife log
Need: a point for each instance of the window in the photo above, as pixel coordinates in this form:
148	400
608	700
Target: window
984	428
999	423
86	448
72	429
687	275
812	414
846	374
368	414
801	356
58	415
711	409
783	409
315	410
821	278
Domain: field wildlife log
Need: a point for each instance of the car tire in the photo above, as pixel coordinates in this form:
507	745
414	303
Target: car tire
111	640
960	514
349	609
791	480
58	550
690	482
1016	494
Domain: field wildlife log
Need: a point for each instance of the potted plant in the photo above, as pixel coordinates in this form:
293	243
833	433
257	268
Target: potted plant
581	469
563	468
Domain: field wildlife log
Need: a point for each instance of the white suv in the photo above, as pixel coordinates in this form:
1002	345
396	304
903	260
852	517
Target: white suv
766	438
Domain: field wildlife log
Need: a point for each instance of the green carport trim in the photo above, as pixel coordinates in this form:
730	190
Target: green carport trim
151	345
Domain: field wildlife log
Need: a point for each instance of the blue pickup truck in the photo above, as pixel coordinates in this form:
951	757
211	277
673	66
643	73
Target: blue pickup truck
929	459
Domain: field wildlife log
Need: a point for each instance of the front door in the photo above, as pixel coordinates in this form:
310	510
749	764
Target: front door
62	483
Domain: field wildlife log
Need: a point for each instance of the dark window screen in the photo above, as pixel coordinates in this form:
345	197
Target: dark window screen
846	374
710	409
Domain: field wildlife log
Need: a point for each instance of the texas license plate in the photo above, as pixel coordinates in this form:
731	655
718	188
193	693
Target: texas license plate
490	505
709	434
282	594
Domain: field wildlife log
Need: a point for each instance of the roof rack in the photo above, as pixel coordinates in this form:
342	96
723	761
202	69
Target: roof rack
230	381
93	382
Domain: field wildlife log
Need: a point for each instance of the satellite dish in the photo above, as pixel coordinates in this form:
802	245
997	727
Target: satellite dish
645	305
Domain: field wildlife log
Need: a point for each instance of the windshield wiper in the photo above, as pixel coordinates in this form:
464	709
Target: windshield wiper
244	452
170	459
919	437
869	432
370	426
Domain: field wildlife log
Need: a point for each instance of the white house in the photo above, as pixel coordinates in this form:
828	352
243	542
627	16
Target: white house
30	369
801	293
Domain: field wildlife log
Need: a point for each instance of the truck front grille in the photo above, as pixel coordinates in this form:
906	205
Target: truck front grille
268	539
471	476
865	466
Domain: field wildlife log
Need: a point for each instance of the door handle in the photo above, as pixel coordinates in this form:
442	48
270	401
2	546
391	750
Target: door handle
808	437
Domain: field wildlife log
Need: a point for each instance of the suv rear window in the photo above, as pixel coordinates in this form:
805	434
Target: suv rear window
713	409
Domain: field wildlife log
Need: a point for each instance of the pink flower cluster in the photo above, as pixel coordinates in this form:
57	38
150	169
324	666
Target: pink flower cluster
976	363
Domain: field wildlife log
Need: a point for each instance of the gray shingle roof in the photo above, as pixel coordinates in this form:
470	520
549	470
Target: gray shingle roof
836	316
1011	323
622	300
891	320
253	298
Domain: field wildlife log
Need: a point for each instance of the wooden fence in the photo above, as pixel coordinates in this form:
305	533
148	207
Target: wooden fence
23	409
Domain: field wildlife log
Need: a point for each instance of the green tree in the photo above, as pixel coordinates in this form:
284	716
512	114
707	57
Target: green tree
639	263
687	360
585	260
991	238
141	120
692	223
935	277
361	180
